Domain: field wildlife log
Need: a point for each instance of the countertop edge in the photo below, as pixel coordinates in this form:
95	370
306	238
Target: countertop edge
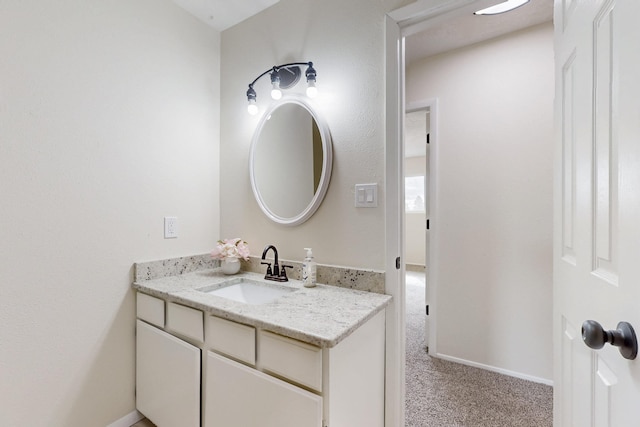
380	303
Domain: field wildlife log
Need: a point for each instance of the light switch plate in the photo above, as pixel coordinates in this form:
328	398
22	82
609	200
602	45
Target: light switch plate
366	195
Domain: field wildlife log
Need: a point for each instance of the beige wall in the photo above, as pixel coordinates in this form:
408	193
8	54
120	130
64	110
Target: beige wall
493	208
345	40
109	121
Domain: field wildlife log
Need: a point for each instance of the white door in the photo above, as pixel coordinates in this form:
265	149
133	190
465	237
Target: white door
416	141
167	378
427	239
597	208
417	129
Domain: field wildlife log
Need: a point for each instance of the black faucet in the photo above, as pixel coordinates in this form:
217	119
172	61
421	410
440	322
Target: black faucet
276	274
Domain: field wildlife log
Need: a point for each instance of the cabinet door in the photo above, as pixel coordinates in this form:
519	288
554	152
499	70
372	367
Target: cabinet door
237	395
167	378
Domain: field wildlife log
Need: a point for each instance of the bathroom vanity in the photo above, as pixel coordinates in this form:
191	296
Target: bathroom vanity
221	351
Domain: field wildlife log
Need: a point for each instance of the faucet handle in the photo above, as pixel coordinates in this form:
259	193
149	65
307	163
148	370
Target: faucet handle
283	272
268	264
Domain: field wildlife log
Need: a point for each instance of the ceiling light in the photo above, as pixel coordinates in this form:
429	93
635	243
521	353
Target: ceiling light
502	7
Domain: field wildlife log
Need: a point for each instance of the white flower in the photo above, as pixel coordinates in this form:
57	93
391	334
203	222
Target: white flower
231	248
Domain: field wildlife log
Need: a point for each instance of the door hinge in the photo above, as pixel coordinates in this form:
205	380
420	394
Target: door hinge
427	309
398	263
427	224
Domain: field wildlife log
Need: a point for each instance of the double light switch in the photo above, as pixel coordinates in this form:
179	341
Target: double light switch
366	195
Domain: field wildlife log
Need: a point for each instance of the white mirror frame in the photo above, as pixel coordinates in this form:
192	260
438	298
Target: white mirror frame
327	163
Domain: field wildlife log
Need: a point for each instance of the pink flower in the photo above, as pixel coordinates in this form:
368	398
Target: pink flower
231	248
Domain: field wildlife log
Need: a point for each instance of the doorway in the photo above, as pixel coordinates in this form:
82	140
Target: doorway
408	21
494	180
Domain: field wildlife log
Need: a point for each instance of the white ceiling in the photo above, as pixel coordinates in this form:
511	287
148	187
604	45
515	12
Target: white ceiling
453	33
222	14
467	29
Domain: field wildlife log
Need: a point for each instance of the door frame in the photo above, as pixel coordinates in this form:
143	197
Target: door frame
394	226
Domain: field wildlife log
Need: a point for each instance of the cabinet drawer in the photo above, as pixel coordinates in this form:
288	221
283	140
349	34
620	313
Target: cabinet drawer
150	309
186	321
232	339
291	359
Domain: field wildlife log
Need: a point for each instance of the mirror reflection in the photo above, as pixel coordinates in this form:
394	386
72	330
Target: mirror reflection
290	162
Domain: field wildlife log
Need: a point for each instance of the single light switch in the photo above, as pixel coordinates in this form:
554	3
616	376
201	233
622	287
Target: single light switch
366	195
361	195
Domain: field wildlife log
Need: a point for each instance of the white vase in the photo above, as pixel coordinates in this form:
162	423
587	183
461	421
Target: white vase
230	265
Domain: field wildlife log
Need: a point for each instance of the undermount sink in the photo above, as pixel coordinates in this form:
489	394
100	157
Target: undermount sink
249	291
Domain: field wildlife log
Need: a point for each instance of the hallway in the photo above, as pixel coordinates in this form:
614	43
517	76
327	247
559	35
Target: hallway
446	394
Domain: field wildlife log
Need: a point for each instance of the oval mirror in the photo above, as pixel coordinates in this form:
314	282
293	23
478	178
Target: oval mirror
290	161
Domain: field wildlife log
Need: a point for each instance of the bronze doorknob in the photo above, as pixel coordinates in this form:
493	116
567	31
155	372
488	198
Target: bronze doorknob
594	336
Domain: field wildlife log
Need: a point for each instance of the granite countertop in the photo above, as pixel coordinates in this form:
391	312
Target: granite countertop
322	316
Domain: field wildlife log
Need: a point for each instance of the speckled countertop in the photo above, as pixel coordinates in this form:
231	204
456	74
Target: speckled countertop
321	316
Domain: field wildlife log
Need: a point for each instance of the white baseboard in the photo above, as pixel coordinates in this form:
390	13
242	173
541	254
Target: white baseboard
495	369
128	420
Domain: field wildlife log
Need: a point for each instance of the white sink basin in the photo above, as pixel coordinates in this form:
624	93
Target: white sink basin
249	291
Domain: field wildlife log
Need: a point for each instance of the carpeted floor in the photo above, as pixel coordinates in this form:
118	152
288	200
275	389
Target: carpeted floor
144	423
447	394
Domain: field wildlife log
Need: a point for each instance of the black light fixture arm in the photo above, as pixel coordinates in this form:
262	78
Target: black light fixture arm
277	68
283	80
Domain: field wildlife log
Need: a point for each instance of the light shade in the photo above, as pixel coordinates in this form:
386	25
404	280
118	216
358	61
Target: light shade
252	108
312	90
502	7
276	93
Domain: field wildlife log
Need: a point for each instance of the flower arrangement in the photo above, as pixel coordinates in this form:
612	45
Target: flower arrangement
231	248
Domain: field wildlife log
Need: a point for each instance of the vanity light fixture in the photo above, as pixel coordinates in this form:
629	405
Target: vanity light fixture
503	7
283	77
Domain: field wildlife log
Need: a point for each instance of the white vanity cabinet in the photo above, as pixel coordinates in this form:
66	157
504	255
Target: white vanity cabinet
198	370
168	369
294	384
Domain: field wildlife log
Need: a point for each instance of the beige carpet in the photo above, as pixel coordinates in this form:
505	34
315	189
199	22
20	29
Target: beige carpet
446	394
144	423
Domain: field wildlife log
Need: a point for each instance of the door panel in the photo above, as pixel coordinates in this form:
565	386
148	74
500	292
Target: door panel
167	378
568	159
605	170
604	384
597	206
237	395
